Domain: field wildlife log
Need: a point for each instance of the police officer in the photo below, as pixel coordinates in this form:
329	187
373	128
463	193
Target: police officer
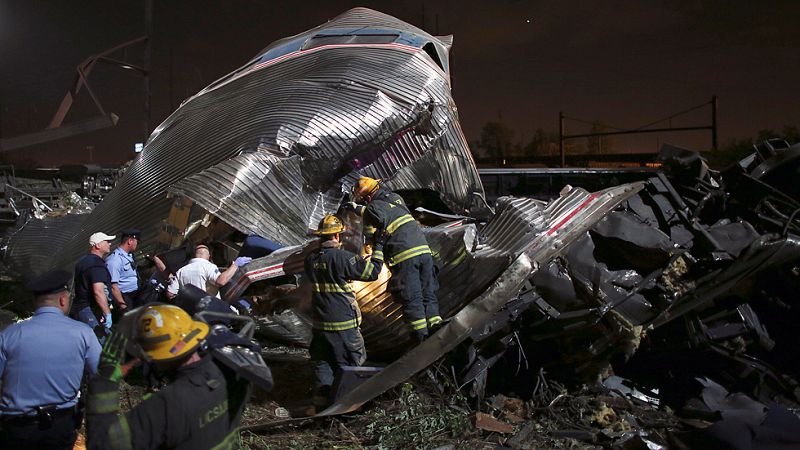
336	339
413	279
199	409
121	265
42	362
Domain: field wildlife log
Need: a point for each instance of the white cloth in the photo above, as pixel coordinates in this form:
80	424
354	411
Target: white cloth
199	272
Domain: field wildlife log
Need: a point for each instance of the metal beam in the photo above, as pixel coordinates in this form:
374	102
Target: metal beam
81	80
64	131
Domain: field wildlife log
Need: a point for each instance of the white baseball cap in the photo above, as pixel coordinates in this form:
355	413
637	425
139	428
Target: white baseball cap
99	237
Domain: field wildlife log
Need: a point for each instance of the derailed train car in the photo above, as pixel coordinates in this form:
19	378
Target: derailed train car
363	94
579	282
271	147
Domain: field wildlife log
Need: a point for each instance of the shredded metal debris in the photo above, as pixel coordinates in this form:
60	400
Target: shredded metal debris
583	320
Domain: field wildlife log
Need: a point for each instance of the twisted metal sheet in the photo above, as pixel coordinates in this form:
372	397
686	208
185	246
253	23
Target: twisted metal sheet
467	268
28	250
321	115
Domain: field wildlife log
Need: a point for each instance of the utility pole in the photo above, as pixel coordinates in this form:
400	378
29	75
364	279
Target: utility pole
148	31
714	144
171	81
561	138
641	130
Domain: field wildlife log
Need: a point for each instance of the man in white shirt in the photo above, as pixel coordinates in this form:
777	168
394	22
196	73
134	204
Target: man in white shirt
202	273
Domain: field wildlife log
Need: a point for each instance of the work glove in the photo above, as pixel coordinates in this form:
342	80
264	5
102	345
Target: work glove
111	356
242	260
349	206
107	322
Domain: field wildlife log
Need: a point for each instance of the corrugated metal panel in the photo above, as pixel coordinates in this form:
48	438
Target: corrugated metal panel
467	268
33	243
515	218
249	192
379	110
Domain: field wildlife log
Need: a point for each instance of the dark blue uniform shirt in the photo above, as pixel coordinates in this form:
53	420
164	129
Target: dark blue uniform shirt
42	361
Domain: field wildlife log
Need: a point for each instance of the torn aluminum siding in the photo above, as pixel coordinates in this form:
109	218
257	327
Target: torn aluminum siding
466	268
569	217
249	192
31	246
335	108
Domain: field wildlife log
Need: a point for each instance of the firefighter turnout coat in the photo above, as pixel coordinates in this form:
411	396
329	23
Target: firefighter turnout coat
388	213
330	271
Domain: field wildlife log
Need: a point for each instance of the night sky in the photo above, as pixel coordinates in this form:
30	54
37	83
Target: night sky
626	63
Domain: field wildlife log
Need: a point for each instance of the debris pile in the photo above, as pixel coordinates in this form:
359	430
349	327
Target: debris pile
690	273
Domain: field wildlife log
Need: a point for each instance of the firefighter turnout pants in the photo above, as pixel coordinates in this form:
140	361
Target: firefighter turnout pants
414	284
331	350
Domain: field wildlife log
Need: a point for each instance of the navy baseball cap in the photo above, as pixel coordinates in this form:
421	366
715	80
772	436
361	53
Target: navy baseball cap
130	232
50	282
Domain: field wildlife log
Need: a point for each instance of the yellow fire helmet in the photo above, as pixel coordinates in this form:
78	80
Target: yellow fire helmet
330	224
364	187
167	333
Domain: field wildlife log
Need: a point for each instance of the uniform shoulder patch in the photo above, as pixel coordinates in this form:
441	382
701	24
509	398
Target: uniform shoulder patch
353	259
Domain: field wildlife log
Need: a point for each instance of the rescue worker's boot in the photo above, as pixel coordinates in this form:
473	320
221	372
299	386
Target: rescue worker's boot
418	336
434	324
321	398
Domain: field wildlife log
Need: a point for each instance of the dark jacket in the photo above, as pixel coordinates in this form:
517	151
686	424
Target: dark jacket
404	239
330	270
199	409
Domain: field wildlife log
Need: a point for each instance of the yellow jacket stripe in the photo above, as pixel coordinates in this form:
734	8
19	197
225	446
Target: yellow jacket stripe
338	326
367	269
331	287
408	254
418	324
231	442
119	434
396	223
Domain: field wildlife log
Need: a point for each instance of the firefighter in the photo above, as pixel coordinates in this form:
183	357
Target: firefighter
201	406
336	340
413	280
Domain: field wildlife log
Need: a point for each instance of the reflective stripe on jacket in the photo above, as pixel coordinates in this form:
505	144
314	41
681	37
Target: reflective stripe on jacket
330	271
200	409
405	240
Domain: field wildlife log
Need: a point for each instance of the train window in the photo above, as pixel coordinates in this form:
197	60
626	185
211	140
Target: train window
321	39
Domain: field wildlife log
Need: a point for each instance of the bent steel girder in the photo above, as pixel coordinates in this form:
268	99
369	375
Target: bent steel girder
328	112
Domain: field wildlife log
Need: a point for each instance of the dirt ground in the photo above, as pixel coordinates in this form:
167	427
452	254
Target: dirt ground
428	412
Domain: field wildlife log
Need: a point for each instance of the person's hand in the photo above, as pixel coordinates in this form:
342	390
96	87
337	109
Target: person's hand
242	260
110	365
349	206
106	321
122	306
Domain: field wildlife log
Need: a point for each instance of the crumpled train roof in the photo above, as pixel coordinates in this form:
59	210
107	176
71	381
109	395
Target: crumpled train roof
327	114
